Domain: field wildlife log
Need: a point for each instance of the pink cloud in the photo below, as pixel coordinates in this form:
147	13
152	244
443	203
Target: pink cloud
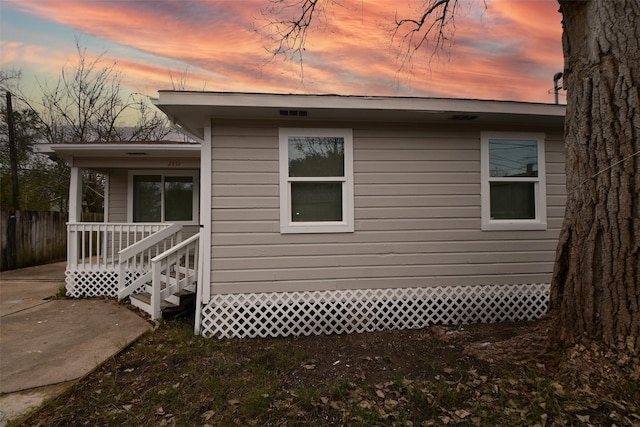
508	51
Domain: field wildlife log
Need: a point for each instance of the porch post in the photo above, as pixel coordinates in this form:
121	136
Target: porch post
75	195
203	286
75	215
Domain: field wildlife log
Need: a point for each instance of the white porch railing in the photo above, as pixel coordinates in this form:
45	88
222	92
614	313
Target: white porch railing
94	252
134	262
94	246
119	259
173	271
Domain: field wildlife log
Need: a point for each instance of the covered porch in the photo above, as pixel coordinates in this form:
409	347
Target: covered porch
147	248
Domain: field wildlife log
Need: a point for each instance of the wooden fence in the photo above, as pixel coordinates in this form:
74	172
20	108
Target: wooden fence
40	237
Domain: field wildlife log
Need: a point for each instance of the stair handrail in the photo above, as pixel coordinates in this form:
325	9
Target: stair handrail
134	250
148	242
157	270
175	248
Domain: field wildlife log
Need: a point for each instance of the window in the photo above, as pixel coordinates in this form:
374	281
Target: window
157	197
316	181
513	181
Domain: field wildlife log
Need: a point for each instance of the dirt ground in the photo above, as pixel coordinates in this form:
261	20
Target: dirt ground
477	375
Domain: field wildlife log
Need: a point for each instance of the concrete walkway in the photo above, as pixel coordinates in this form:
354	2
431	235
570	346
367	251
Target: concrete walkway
46	344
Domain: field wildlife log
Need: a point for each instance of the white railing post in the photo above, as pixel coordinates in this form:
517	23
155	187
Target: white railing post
72	246
156	310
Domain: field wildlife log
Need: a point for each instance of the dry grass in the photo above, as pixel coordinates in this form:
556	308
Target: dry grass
436	376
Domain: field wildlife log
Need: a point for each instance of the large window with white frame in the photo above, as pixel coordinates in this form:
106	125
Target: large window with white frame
163	197
316	180
513	188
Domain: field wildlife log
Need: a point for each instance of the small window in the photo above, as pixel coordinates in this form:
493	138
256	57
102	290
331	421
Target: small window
513	181
316	180
164	198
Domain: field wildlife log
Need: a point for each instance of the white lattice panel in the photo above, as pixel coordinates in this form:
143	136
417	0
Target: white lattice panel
367	310
88	283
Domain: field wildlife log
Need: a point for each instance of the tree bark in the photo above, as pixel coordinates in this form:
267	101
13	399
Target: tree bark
595	290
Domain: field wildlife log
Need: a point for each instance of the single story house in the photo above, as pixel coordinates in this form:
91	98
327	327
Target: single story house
317	214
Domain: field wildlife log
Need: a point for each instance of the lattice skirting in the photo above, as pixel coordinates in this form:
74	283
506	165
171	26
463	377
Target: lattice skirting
368	310
88	283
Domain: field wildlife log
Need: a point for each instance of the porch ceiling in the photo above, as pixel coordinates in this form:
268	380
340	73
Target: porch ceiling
191	111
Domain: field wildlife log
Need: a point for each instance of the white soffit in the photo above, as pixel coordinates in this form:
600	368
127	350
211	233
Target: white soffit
128	150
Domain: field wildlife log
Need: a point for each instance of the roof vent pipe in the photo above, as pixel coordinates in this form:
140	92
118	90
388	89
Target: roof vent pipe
556	87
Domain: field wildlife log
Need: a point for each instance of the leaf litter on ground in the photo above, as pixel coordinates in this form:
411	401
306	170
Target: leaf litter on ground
474	375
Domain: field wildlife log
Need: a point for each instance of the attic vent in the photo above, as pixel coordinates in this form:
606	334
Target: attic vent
299	113
467	117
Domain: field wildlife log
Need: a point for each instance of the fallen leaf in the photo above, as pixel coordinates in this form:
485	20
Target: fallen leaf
309	367
558	389
462	414
365	404
390	403
208	415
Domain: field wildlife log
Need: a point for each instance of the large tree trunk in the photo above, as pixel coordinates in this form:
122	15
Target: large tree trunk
595	291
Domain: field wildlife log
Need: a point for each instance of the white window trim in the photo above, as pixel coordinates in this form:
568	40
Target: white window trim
540	221
196	192
347	223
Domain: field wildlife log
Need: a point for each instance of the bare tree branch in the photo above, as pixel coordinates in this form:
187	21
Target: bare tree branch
290	23
435	23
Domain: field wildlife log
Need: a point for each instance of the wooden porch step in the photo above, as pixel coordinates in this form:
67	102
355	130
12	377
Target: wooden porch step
186	298
143	301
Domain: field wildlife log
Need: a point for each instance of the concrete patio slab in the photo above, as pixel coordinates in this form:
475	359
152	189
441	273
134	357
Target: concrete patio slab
63	340
46	344
28	287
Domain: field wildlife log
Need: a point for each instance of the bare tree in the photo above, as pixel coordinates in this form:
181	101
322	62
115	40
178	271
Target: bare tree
43	183
88	104
596	281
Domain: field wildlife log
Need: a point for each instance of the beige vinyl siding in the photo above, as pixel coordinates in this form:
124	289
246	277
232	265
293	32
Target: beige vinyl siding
118	187
417	216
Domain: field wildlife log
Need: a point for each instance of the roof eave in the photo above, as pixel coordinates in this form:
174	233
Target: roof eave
128	149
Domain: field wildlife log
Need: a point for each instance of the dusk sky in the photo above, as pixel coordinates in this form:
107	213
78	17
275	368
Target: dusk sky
509	50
